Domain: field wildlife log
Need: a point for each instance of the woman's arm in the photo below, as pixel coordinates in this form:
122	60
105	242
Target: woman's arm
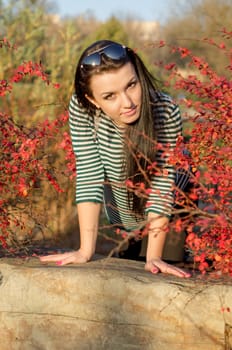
157	232
88	216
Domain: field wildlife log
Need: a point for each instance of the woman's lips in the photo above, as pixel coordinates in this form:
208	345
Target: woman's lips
130	112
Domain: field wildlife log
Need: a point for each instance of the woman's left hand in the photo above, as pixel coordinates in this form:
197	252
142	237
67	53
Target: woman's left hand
157	265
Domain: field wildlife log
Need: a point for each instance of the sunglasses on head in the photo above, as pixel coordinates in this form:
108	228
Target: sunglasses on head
113	51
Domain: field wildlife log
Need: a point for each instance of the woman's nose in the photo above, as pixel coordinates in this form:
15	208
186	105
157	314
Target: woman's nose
126	100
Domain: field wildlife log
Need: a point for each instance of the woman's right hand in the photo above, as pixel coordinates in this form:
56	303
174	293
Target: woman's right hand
75	257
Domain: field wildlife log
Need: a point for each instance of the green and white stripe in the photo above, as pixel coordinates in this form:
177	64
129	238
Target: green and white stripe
98	147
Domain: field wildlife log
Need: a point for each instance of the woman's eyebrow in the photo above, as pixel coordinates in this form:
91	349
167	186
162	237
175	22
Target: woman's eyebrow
113	91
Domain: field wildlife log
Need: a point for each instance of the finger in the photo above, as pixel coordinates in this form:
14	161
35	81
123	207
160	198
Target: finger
53	257
152	268
69	260
155	269
187	274
176	272
160	266
183	273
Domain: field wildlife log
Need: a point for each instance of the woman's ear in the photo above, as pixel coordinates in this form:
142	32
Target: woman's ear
91	100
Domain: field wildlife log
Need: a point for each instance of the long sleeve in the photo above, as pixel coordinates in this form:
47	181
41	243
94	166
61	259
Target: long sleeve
89	168
169	127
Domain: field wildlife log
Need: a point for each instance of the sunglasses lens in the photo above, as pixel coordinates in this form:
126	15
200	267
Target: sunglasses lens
113	51
92	60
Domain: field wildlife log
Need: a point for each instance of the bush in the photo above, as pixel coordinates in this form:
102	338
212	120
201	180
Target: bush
207	207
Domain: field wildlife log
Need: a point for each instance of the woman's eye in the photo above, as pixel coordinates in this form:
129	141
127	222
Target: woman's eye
109	97
132	84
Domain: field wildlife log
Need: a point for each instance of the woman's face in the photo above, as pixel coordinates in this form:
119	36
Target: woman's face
118	93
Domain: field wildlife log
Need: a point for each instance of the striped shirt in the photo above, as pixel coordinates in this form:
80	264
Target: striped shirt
98	147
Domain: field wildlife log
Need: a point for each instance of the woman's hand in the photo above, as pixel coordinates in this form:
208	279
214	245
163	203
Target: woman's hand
157	265
88	215
75	257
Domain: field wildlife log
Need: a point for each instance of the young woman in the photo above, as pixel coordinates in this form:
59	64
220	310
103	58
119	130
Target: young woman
121	127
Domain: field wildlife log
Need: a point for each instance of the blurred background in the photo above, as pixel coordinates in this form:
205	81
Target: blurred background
54	33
